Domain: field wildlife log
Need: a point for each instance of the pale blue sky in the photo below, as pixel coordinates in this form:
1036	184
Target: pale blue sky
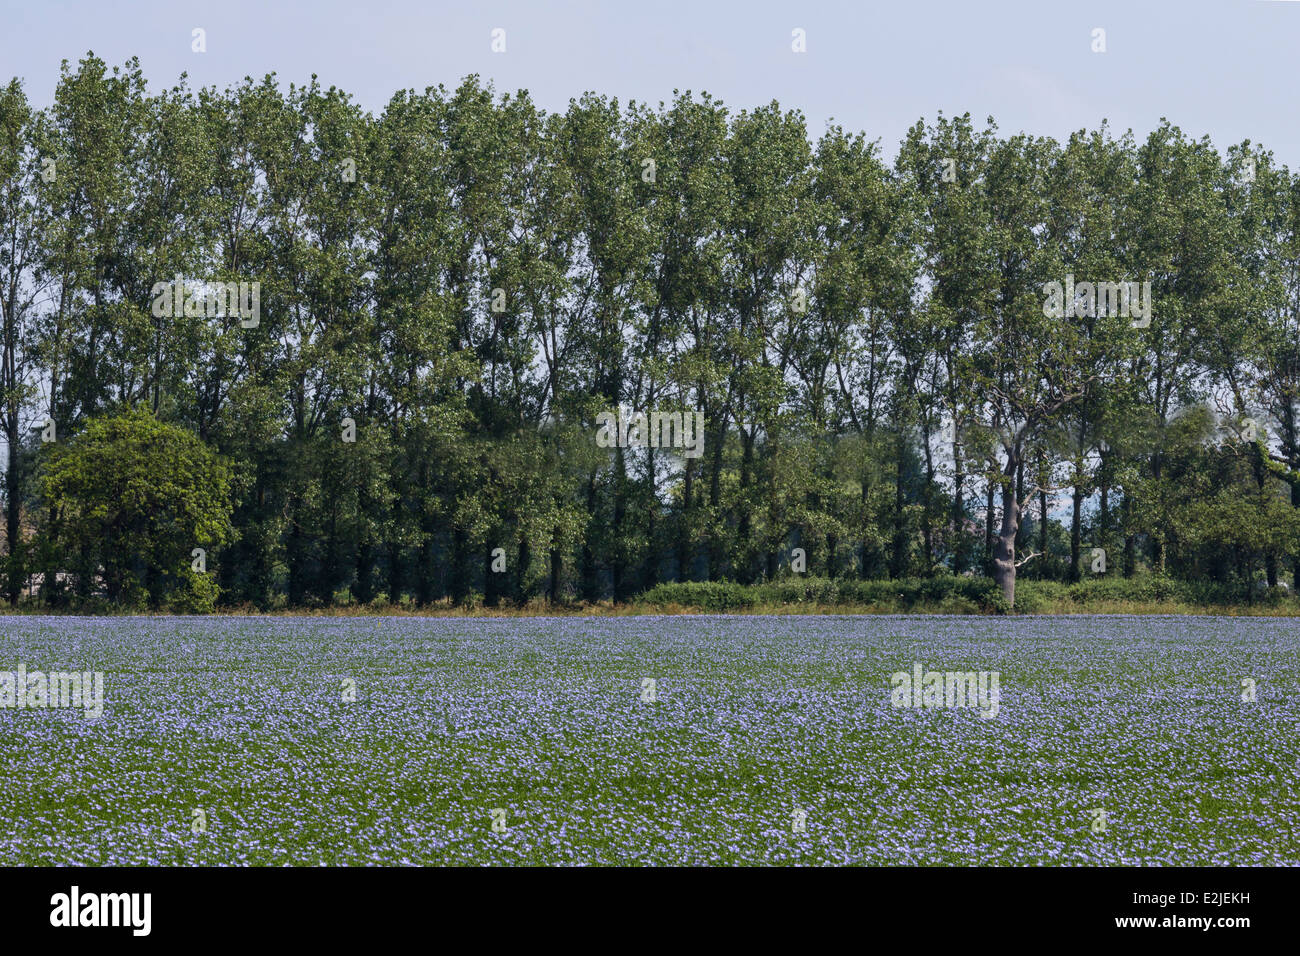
1226	68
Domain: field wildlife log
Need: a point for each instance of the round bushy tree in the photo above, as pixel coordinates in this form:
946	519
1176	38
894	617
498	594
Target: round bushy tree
128	500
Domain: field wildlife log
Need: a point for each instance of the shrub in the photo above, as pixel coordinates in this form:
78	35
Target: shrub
196	594
706	595
941	593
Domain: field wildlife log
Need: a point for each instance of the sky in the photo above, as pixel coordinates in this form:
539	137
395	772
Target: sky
1222	68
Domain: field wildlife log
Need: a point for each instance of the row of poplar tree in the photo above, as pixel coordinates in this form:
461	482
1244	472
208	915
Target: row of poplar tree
471	281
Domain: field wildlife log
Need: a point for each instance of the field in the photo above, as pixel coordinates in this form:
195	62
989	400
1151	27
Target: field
249	721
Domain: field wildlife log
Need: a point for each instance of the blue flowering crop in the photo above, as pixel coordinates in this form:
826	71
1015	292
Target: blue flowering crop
749	720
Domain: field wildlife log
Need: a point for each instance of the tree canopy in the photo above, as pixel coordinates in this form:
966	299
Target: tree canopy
450	293
130	499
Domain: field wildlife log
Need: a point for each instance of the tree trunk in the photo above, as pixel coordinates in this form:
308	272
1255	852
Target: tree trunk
1076	532
715	498
553	590
365	572
958	508
988	526
1021	544
744	569
1103	516
396	575
590	582
1157	541
927	531
491	578
683	542
13	530
618	563
1042	518
295	555
1295	560
523	567
870	555
1004	556
898	562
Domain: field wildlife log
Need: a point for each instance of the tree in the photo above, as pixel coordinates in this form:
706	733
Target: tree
133	497
23	221
451	291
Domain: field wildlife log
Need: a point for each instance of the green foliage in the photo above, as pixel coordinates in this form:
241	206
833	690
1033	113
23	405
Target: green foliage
963	595
716	596
470	281
196	594
943	593
130	497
